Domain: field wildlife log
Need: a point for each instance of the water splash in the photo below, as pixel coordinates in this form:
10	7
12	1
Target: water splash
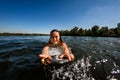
79	70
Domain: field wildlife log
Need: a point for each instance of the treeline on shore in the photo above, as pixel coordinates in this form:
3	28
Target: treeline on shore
94	31
76	31
22	34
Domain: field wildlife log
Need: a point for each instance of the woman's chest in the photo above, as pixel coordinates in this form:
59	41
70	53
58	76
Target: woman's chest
55	51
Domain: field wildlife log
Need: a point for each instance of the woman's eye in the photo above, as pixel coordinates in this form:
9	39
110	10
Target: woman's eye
54	37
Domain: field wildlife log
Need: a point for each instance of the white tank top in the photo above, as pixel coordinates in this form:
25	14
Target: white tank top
55	52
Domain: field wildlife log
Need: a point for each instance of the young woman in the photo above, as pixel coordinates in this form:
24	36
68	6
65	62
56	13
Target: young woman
57	44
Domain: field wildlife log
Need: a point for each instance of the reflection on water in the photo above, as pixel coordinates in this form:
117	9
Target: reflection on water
97	58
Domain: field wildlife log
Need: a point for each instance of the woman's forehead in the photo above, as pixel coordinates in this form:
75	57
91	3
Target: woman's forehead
55	34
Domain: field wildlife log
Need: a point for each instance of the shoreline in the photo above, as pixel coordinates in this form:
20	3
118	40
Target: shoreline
39	34
23	34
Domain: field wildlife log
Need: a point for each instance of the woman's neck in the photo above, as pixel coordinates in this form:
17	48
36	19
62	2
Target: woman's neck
56	45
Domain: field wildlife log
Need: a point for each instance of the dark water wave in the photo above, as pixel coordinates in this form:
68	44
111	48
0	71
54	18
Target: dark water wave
97	58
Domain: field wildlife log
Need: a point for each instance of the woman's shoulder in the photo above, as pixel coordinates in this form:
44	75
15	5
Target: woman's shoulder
48	44
64	44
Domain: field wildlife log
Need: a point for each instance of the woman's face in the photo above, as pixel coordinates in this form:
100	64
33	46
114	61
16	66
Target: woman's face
55	37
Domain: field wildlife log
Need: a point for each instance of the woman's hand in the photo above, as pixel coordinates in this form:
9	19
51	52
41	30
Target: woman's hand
46	61
70	57
45	58
67	54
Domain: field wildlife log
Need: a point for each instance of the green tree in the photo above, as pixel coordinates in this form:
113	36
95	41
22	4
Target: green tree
74	31
95	30
89	32
65	32
104	31
80	32
117	31
112	32
118	25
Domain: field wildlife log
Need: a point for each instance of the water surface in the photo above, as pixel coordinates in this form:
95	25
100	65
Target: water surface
97	58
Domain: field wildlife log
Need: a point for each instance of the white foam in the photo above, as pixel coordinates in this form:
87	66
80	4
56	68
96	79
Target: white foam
78	70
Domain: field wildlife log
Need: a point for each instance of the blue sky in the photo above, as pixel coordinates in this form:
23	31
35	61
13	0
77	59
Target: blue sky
41	16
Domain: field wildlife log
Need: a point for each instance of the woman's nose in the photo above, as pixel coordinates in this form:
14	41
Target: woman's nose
54	38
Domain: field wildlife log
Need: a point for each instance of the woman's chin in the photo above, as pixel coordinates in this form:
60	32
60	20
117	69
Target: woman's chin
55	43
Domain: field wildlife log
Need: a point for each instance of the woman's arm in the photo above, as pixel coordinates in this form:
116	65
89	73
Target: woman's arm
45	53
67	53
44	56
66	49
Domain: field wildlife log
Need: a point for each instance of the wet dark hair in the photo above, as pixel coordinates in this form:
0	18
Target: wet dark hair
55	30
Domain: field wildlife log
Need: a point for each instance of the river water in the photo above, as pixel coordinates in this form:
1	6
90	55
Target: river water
96	58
